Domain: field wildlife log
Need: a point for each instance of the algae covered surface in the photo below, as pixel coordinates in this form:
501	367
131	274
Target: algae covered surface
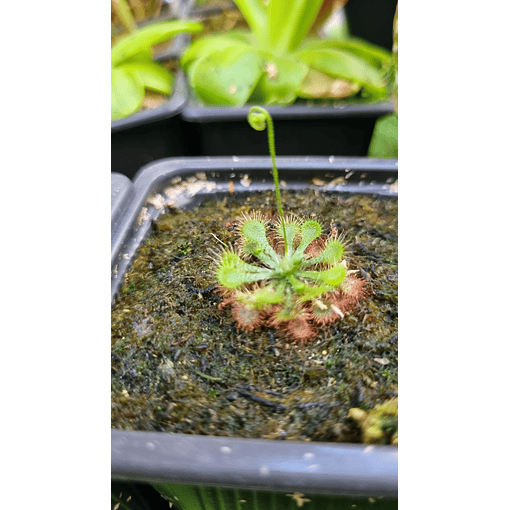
180	365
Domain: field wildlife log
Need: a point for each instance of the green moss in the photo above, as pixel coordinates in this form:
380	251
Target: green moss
180	365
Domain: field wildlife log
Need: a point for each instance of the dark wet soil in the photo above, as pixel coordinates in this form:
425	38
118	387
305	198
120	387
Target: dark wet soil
180	365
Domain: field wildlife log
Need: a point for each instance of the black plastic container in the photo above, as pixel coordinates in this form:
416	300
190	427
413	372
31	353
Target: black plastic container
341	129
372	20
150	134
209	473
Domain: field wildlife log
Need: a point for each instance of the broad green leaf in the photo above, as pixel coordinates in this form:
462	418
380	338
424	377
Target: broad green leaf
279	82
319	85
290	22
333	276
341	64
205	45
152	76
255	14
144	55
155	33
127	94
384	143
332	253
227	77
373	54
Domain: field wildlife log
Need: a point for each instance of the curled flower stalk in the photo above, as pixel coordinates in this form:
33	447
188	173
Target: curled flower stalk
287	275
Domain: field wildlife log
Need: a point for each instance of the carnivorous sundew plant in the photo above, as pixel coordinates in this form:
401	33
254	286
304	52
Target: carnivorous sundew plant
277	61
285	274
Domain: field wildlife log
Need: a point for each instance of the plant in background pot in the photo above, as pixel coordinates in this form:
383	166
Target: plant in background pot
274	63
133	68
324	95
384	143
146	98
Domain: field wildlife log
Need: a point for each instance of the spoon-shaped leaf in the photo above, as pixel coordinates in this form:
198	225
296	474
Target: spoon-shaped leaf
152	76
127	94
226	77
149	36
341	64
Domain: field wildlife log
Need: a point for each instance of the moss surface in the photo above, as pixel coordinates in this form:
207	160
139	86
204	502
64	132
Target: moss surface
180	365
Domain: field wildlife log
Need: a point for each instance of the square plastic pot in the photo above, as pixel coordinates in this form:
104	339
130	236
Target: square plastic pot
208	473
149	135
342	129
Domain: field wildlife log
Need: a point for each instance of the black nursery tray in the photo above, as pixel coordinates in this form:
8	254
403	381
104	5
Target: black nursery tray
204	472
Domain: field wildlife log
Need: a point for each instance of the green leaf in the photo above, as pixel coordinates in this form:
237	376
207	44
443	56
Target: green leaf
384	143
155	33
373	54
310	230
144	55
331	254
205	45
233	271
256	242
127	94
312	292
152	76
290	22
256	15
333	276
262	297
292	229
342	64
280	82
320	85
227	77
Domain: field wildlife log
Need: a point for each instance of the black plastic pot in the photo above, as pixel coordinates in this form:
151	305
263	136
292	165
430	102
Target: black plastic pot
372	20
150	134
203	472
154	134
301	130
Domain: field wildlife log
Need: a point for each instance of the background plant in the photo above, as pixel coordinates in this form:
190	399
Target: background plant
273	63
285	274
133	68
384	143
